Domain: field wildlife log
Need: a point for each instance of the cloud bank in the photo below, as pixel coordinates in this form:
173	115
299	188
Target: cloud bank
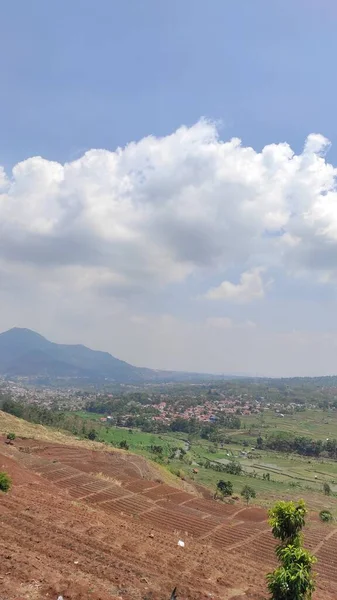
160	209
164	212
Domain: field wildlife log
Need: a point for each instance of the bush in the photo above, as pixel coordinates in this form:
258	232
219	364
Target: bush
11	436
326	516
233	467
5	482
326	489
124	445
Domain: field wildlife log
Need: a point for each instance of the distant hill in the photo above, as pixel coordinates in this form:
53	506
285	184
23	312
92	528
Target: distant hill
25	353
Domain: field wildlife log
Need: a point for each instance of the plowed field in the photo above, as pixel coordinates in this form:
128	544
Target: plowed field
96	525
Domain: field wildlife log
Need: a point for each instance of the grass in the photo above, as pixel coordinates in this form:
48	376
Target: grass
314	423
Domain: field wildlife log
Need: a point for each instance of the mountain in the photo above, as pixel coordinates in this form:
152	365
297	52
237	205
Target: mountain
25	353
28	354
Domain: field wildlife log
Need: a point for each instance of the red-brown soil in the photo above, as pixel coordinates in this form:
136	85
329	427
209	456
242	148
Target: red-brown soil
95	525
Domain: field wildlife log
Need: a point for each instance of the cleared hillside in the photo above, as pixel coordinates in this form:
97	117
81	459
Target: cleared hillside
85	523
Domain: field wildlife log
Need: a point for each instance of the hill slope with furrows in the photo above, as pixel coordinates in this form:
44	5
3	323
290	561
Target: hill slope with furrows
85	523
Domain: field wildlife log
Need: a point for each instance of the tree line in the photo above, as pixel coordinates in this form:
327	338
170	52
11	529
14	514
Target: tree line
287	442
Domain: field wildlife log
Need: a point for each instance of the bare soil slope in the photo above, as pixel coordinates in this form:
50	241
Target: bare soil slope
86	523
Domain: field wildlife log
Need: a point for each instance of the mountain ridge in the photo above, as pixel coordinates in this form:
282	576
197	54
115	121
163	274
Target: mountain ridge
26	353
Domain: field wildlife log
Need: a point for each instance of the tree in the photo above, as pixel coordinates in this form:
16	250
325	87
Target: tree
11	436
287	520
225	488
5	482
326	489
92	435
293	579
123	444
248	492
259	443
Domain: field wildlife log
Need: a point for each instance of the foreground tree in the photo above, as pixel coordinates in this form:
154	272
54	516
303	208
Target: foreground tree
248	492
293	579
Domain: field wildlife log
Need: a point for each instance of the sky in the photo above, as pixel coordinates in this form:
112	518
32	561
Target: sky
168	182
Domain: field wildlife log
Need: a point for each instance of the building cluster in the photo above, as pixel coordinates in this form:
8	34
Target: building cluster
208	410
45	396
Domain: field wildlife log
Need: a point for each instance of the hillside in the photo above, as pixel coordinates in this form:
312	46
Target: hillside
85	523
25	353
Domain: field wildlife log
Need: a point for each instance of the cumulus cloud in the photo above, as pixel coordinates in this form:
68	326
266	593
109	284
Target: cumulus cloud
160	210
249	288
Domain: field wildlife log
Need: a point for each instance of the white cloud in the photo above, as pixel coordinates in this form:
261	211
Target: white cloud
251	287
158	210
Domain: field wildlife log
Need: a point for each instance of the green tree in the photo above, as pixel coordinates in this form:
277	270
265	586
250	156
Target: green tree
326	489
11	436
293	579
92	435
5	482
248	492
287	520
225	488
124	445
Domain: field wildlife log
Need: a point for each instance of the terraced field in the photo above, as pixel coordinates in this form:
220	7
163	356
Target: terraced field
119	486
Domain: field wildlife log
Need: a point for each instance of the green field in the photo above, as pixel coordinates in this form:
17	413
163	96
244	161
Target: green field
317	424
290	475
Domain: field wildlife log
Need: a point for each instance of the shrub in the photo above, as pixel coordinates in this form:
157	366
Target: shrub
123	444
248	492
5	482
326	489
326	516
233	467
11	436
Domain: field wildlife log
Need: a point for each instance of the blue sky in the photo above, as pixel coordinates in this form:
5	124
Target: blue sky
77	76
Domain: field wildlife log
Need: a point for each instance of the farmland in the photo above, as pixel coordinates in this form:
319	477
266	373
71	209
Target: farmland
110	515
86	520
289	474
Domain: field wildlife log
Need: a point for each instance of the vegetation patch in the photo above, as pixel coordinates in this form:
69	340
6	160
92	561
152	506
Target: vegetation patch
5	482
